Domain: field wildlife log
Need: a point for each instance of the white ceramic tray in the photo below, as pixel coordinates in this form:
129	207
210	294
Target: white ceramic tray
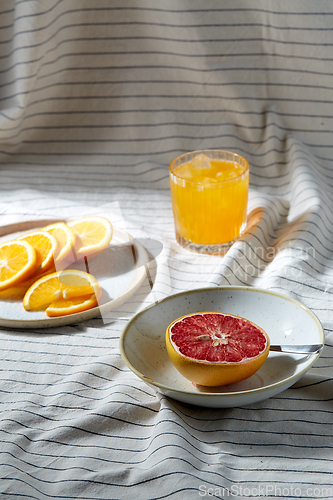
120	270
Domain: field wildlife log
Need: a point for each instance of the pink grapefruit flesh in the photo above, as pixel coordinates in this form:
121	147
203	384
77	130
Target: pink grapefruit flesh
213	349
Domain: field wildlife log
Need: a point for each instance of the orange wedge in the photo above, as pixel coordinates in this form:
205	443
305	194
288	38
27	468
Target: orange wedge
94	234
65	237
62	293
18	259
46	247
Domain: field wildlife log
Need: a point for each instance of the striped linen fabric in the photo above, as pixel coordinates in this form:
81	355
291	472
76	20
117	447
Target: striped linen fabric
96	99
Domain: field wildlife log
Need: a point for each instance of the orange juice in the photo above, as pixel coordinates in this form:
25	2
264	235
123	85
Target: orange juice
209	192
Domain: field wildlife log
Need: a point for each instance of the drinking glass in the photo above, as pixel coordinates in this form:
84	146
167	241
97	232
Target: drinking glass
209	192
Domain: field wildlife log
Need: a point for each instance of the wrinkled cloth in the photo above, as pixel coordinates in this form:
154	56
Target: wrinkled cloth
96	100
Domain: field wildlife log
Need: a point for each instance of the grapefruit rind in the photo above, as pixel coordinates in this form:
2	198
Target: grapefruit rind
215	373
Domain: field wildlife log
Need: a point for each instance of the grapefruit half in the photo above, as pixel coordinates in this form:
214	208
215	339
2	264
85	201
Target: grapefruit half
213	349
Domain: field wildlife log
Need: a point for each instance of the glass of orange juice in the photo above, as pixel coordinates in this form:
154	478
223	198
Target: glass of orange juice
209	192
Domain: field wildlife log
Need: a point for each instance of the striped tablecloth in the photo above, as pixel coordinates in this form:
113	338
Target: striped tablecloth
96	99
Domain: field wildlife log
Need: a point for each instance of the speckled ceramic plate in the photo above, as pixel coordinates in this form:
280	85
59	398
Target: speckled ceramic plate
287	321
120	270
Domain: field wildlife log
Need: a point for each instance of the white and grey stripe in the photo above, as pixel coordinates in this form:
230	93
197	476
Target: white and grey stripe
96	99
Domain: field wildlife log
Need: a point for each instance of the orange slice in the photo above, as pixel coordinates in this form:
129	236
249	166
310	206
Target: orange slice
62	293
65	237
18	259
17	292
94	234
65	307
46	247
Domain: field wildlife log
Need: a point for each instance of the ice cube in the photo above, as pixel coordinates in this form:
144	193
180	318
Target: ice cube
206	183
184	172
221	176
231	173
208	180
201	161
